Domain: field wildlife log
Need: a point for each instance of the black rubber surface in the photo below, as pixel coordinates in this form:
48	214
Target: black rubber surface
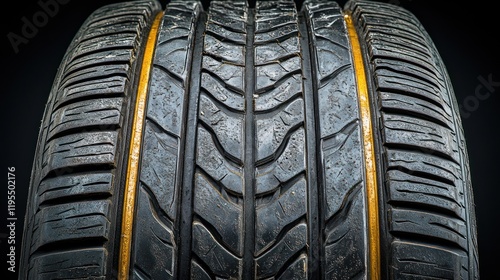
252	162
74	201
429	215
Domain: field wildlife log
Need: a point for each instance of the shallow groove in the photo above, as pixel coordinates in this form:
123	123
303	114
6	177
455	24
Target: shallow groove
95	51
271	112
387	16
279	151
327	79
229	87
61	249
410	74
59	104
178	81
69	245
215	234
142	274
283	187
171	39
411	94
345	207
96	78
104	35
87	69
385	10
410	31
206	268
73	199
156	126
421	174
406	82
379	30
377	40
347	128
427	208
87	168
280	81
157	211
275	28
219	187
176	6
223	39
384	56
278	39
319	36
230	158
414	114
405	68
279	60
221	105
412	148
123	12
228	27
121	22
221	59
431	241
282	234
290	262
85	129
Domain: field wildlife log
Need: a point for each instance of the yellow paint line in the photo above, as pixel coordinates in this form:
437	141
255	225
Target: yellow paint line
369	152
134	152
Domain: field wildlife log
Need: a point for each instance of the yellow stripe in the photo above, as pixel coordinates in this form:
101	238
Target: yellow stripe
134	153
369	152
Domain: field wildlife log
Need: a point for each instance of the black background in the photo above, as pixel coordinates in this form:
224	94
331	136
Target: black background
465	36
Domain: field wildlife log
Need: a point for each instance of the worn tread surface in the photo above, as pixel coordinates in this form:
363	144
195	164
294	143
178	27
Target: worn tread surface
425	180
162	145
341	168
252	163
75	187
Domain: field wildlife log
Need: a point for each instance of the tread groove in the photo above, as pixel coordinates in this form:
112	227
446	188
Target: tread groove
248	270
183	270
315	180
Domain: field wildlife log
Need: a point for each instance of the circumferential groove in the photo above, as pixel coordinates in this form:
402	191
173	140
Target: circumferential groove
249	156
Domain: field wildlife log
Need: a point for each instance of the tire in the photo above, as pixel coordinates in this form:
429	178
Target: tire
251	143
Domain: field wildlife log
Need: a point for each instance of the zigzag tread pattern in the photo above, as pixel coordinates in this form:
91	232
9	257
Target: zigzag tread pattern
159	180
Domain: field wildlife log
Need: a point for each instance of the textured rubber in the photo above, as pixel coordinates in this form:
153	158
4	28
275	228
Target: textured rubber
74	200
253	157
428	211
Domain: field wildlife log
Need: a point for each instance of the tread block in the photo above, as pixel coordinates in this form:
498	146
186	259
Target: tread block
80	185
83	149
214	207
76	221
412	260
222	263
77	263
99	114
153	234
